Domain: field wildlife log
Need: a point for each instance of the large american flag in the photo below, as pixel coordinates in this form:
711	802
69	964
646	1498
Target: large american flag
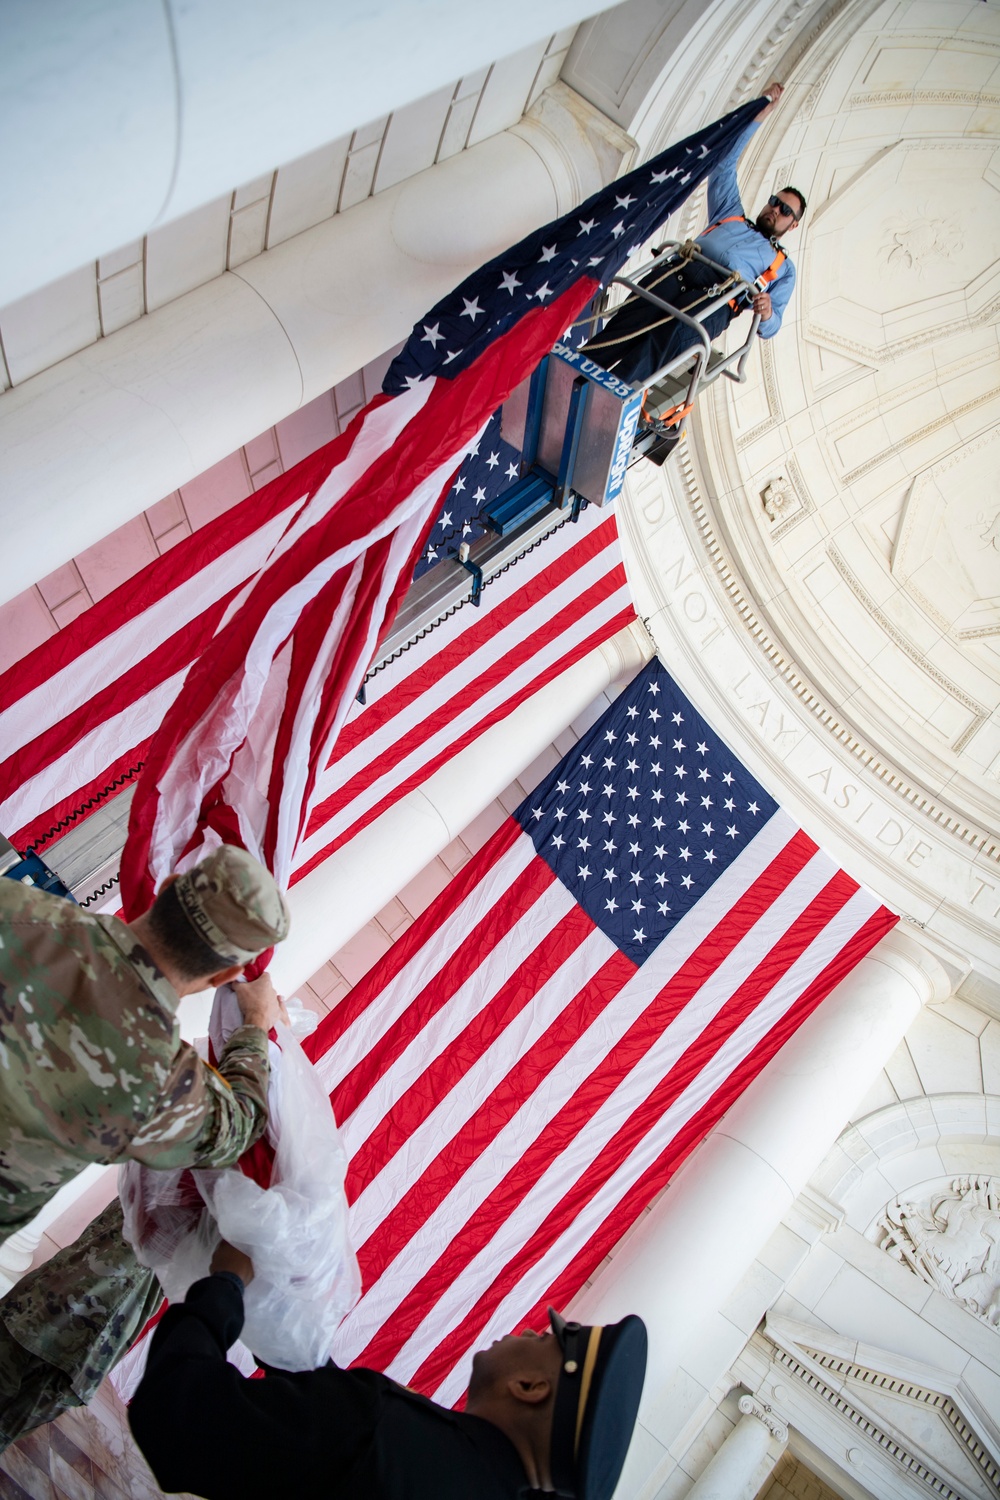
239	751
528	1065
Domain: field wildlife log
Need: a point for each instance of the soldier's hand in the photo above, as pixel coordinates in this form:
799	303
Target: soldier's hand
762	304
259	1004
774	90
228	1258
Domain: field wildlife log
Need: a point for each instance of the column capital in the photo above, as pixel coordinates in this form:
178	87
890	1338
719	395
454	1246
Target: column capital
582	148
919	960
752	1406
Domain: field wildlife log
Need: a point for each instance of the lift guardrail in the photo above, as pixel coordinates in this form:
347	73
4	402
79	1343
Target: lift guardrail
578	425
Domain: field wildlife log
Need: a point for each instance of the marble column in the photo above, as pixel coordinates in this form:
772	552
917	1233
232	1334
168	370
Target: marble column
691	1250
733	1473
90	442
122	114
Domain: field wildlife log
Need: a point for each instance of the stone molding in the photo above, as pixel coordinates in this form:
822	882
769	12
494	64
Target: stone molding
916	798
805	506
923	96
809	1367
772	395
898	1129
581	148
935	425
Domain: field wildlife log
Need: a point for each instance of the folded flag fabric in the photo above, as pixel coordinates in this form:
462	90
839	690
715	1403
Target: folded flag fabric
238	753
523	1071
536	621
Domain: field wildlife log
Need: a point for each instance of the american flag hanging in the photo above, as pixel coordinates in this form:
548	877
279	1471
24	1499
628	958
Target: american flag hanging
239	751
528	1065
81	708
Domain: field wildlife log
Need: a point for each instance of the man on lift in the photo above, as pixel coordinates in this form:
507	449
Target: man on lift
640	338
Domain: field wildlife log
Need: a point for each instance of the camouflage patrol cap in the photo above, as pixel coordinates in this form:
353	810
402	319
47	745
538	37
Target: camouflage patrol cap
233	904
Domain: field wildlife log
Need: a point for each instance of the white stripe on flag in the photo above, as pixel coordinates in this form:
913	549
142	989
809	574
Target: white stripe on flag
588	1052
481	663
453	1112
91	754
474	711
360	1038
73	685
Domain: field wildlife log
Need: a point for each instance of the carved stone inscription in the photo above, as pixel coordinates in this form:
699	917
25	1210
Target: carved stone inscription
952	1241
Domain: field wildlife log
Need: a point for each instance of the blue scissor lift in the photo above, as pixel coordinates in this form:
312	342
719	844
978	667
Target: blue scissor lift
578	426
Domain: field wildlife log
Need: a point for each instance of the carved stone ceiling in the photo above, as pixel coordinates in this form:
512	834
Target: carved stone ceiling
882	412
853	483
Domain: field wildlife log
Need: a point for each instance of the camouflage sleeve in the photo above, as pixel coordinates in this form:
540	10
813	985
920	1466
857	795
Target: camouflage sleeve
208	1117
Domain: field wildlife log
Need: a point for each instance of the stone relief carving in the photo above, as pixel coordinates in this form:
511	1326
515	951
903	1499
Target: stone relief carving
923	96
921	244
780	500
989	535
952	1241
786	500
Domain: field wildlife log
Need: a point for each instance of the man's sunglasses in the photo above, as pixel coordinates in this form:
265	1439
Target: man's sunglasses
789	213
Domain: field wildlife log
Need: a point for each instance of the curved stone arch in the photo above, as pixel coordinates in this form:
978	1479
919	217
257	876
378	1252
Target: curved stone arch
908	1147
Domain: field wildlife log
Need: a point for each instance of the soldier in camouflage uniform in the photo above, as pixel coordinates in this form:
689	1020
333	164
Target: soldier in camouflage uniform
92	1070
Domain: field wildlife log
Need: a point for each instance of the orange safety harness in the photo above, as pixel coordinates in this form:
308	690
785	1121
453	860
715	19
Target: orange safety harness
676	414
766	277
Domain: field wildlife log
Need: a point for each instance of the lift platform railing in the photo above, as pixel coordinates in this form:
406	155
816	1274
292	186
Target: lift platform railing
706	366
578	425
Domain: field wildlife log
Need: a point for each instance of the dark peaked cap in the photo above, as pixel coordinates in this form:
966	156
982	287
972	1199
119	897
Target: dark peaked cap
597	1402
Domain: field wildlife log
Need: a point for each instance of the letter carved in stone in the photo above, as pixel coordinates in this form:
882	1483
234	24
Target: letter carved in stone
952	1240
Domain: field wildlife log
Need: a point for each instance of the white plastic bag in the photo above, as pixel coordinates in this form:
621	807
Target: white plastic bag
306	1275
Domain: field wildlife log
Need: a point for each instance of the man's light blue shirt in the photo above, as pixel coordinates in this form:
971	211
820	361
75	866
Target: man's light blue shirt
738	246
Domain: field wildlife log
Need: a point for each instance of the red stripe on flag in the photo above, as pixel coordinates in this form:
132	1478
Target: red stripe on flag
518	1084
575	653
367	990
49	822
618	1063
441	429
519	898
152	583
166	659
483	628
447	1071
524	650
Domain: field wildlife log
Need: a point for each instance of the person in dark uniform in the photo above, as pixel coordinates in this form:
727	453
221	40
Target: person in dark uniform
551	1412
640	338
